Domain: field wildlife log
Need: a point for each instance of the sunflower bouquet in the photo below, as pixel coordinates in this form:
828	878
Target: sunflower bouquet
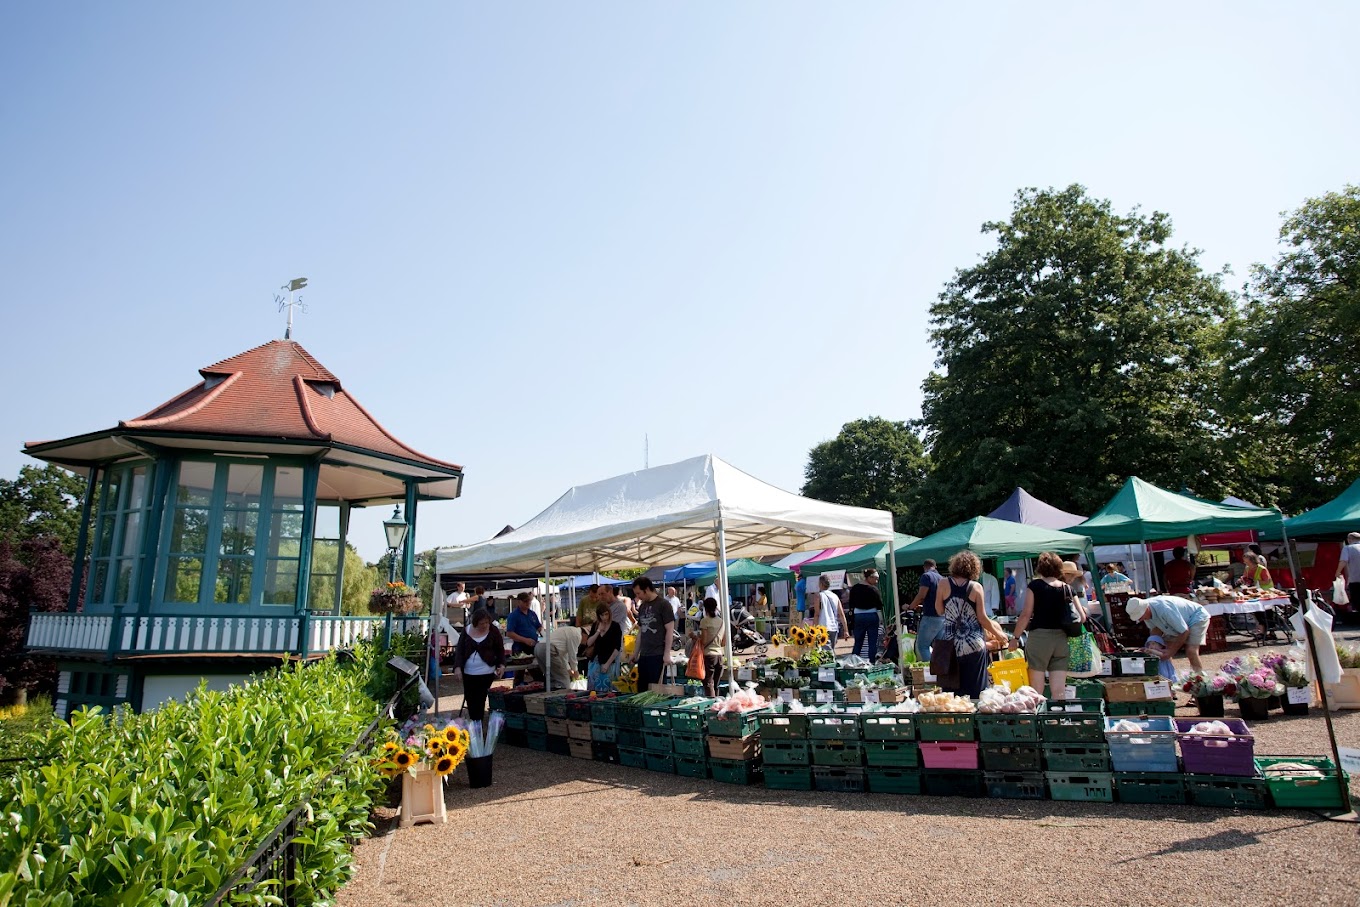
441	750
627	679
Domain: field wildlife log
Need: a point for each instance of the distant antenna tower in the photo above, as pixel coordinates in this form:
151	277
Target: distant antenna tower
291	302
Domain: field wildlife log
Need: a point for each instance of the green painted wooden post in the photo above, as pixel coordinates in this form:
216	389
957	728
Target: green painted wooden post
160	490
82	540
309	481
408	555
115	632
340	563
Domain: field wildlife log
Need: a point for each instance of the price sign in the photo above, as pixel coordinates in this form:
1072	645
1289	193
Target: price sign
1071	691
1157	690
1131	666
1299	695
791	674
870	697
1350	758
786	695
826	696
826	674
743	674
929	677
1106	667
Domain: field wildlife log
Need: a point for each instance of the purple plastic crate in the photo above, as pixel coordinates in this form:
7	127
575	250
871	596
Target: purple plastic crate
1202	754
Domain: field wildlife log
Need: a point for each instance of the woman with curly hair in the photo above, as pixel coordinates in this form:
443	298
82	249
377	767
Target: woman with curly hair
959	601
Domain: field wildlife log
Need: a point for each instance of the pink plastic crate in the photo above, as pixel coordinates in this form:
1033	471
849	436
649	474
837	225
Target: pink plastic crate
1232	754
950	755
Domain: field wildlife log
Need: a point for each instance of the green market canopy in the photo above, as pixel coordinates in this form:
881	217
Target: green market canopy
1142	512
873	555
987	537
1337	517
745	570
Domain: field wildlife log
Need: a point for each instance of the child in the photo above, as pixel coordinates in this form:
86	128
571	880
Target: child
1157	646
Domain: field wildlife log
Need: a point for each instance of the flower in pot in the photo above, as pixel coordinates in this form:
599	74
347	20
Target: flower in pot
1254	691
1293	674
394	598
1208	691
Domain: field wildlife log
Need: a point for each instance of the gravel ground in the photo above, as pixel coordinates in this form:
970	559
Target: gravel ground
555	830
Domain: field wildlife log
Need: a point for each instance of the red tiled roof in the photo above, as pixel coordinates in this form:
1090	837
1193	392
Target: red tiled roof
276	391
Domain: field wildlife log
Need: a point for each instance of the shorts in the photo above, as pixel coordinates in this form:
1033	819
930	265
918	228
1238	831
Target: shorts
1046	650
1198	633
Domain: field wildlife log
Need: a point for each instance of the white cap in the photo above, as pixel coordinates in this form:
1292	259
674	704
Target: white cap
1136	608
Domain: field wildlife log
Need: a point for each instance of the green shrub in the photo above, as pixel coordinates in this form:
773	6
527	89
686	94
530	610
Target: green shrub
162	807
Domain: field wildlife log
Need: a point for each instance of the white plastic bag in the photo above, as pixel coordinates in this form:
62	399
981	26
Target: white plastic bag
1339	596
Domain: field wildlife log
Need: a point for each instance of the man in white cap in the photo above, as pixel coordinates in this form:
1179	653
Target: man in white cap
1183	623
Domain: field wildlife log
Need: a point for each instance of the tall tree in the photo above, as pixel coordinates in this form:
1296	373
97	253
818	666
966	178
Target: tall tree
1296	362
1081	350
870	463
43	500
36	576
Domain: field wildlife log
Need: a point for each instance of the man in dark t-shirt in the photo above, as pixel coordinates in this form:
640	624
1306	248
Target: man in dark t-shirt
656	629
931	621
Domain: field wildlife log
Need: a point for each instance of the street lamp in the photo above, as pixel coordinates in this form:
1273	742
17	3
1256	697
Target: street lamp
395	528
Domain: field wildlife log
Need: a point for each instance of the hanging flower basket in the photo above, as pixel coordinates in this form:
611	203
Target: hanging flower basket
394	598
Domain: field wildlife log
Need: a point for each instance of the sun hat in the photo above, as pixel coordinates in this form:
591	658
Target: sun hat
1136	608
1070	569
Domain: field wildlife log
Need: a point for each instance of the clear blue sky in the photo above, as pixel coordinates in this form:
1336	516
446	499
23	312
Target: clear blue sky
570	224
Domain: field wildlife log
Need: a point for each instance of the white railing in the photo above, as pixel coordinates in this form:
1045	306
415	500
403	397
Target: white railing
189	634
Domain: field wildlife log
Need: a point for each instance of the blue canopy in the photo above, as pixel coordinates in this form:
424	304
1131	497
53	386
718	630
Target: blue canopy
1023	507
592	579
690	571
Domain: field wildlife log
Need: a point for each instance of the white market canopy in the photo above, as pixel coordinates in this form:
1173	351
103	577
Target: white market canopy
668	515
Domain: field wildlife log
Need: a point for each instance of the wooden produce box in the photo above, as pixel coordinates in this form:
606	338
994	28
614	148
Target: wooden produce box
1137	689
735	748
536	704
557	727
578	730
581	749
885	695
921	678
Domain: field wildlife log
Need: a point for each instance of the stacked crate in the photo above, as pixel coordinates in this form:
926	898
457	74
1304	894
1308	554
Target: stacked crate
836	749
1146	768
604	745
734	746
892	756
785	749
687	739
1221	770
948	747
579	730
1011	772
658	749
1076	755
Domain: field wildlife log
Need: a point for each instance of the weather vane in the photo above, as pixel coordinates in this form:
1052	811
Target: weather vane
291	302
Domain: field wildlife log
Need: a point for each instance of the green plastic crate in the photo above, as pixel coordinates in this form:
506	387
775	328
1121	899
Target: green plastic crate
810	696
658	717
627	714
495	699
1000	728
602	711
1092	787
633	757
788	777
604	752
785	752
1162	707
740	724
1227	791
735	771
536	741
1015	785
630	737
1081	689
833	724
1073	721
604	733
1150	787
660	762
689	745
1305	793
887	726
536	724
892	753
838	780
514	737
945	727
1138	664
516	720
778	724
1077	757
690	719
1011	757
555	705
691	766
946	783
559	745
657	741
892	780
837	752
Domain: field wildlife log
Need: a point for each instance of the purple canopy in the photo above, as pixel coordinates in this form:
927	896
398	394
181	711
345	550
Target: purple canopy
1023	507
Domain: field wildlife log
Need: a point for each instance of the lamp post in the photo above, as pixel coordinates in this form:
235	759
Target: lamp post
395	529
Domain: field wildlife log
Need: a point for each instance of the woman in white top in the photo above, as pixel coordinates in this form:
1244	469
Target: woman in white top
479	659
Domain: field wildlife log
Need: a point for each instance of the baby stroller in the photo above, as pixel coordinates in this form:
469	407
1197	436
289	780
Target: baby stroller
744	635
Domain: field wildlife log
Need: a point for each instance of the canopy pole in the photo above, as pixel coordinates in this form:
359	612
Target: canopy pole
1346	805
896	599
725	606
547	633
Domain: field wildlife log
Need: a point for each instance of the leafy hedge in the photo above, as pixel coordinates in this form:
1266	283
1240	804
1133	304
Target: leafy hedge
162	807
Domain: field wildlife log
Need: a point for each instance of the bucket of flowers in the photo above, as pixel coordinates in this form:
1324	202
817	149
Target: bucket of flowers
627	679
1209	691
1293	674
422	757
1254	691
394	598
